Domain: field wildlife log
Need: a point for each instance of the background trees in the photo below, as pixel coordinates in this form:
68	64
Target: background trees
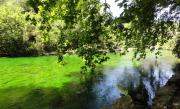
18	35
16	38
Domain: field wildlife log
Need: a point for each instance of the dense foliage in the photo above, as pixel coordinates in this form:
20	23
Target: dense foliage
83	28
14	34
151	24
19	37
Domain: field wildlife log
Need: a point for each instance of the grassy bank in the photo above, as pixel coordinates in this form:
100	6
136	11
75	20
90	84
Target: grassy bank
42	71
40	82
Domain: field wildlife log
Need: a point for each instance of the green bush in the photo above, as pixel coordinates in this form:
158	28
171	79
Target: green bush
50	44
14	36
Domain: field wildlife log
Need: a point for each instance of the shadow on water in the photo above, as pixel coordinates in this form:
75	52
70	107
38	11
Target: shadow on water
68	97
29	98
108	86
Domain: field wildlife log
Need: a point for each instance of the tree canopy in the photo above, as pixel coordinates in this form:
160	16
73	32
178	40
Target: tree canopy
150	24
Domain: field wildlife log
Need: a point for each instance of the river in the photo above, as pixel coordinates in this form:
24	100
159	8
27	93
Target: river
127	79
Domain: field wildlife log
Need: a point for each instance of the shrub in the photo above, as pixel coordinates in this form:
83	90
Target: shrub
14	39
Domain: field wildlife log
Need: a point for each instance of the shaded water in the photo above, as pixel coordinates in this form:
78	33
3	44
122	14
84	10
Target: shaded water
122	80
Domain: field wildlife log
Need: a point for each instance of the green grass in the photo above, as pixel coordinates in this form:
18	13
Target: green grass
37	71
39	82
42	71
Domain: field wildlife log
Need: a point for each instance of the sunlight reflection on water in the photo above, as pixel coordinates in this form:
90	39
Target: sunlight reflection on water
115	82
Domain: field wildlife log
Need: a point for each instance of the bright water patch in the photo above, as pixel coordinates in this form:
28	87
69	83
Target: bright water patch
117	82
157	76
